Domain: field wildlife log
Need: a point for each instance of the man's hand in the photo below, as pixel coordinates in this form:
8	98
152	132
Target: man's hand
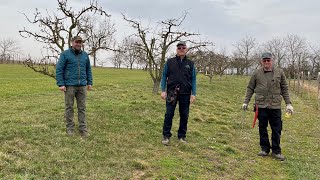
62	88
164	95
192	98
244	106
89	87
289	108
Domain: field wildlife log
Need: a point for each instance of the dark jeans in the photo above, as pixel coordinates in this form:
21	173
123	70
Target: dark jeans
184	104
273	116
80	93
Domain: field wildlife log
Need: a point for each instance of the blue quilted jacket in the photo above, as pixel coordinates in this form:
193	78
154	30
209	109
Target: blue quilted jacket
73	70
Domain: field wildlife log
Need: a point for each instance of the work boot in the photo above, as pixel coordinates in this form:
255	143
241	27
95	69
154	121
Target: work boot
263	153
165	141
84	134
69	132
279	156
183	140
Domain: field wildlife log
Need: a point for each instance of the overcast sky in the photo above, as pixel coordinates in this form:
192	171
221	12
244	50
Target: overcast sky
222	21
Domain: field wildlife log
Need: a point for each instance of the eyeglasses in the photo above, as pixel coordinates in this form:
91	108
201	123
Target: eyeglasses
181	48
266	60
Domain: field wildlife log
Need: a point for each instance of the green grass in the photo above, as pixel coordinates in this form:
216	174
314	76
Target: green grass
125	125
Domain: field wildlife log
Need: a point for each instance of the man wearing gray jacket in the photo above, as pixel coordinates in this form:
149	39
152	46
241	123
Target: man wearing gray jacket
269	85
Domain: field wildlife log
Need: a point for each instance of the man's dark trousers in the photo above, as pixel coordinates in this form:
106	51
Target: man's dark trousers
273	116
184	104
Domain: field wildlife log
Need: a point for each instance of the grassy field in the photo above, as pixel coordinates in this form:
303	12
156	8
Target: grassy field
125	125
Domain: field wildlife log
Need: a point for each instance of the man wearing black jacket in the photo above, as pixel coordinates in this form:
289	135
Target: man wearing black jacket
178	84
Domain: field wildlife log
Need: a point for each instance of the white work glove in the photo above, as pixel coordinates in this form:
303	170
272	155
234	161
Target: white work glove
289	108
244	106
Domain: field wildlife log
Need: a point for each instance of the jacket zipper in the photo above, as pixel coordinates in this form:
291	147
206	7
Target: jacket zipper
78	69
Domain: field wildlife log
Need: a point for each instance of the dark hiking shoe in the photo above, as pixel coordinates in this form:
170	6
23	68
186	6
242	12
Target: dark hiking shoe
263	153
165	141
182	140
84	134
279	156
69	132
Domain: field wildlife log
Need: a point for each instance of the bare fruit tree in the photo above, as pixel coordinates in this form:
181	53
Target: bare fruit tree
99	35
57	29
200	60
277	47
8	47
221	63
238	64
130	50
212	62
315	60
155	45
245	50
117	59
297	52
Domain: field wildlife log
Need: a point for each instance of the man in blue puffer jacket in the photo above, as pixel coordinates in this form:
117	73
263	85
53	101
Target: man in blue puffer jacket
74	76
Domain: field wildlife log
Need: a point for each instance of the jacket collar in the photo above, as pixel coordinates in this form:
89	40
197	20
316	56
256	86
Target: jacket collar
178	58
73	51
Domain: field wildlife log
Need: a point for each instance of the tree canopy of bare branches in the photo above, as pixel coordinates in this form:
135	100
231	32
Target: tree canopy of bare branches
55	30
131	51
277	47
8	47
209	62
99	35
155	44
314	59
244	53
297	52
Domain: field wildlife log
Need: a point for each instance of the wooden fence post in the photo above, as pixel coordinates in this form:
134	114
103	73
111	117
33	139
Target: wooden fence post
309	84
289	77
294	81
298	84
302	85
318	79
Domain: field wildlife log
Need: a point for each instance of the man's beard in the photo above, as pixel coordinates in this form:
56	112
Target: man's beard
77	51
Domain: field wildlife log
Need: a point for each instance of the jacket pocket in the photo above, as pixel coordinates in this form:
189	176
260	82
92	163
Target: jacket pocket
276	100
259	98
277	81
